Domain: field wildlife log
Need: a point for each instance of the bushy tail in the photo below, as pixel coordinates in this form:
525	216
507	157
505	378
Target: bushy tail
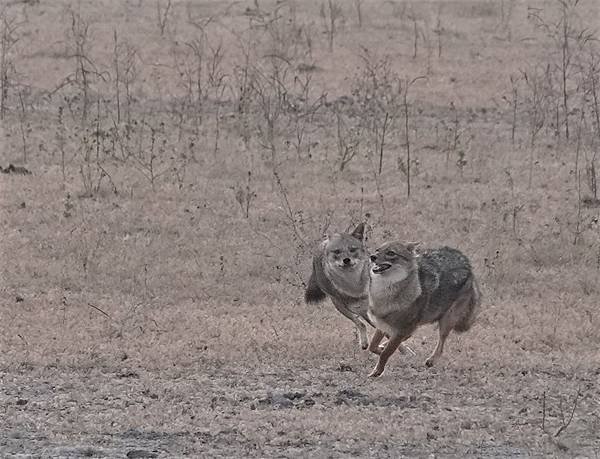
470	296
313	293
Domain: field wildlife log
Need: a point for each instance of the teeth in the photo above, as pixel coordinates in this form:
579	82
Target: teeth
380	268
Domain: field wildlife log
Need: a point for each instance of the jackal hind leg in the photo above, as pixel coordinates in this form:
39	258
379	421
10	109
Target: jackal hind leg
445	326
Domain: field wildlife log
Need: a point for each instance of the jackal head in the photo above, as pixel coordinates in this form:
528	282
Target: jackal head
346	251
394	259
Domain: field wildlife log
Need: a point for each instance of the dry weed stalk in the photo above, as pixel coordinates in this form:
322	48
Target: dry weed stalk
594	80
506	16
61	141
242	86
204	82
565	419
149	159
330	15
270	103
289	212
514	103
378	91
85	68
592	176
407	85
439	31
162	15
348	139
124	75
359	15
413	17
8	39
24	126
569	39
303	108
91	170
244	195
536	105
117	74
216	85
456	140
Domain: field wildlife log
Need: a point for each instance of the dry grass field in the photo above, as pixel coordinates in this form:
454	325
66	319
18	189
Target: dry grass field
186	158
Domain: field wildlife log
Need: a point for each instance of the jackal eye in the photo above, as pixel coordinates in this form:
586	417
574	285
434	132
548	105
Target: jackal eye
390	253
336	251
353	249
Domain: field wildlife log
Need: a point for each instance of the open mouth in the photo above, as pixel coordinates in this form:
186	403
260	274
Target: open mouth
379	268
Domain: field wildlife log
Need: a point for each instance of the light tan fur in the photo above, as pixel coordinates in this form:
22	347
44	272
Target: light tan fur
406	291
341	272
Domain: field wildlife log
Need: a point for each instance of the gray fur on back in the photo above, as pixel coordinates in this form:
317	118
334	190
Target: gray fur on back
443	273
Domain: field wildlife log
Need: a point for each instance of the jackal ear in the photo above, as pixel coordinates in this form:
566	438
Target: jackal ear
412	246
359	232
325	241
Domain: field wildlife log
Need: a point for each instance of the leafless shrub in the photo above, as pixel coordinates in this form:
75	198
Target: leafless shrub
569	39
216	86
348	139
86	71
515	205
536	101
270	94
162	15
150	158
406	87
514	104
244	195
454	140
415	26
8	39
589	76
578	147
24	125
61	139
189	65
566	417
358	9
91	169
439	31
302	112
291	215
592	176
331	13
378	92
506	15
124	75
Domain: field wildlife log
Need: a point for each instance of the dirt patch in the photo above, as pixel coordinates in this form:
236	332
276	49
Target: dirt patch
452	412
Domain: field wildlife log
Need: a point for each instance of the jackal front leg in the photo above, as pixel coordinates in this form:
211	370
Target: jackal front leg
360	326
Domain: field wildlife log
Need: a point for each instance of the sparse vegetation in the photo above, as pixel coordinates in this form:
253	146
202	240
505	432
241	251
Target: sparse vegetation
168	167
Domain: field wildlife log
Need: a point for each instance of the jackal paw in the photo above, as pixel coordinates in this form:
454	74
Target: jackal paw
376	373
376	350
406	350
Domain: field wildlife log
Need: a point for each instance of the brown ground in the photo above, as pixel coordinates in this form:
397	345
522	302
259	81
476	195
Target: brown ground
143	313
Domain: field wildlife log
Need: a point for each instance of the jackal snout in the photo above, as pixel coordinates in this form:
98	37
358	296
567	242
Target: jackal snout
393	255
345	252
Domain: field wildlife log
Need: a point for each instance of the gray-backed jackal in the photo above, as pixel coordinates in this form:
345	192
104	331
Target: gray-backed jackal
407	290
